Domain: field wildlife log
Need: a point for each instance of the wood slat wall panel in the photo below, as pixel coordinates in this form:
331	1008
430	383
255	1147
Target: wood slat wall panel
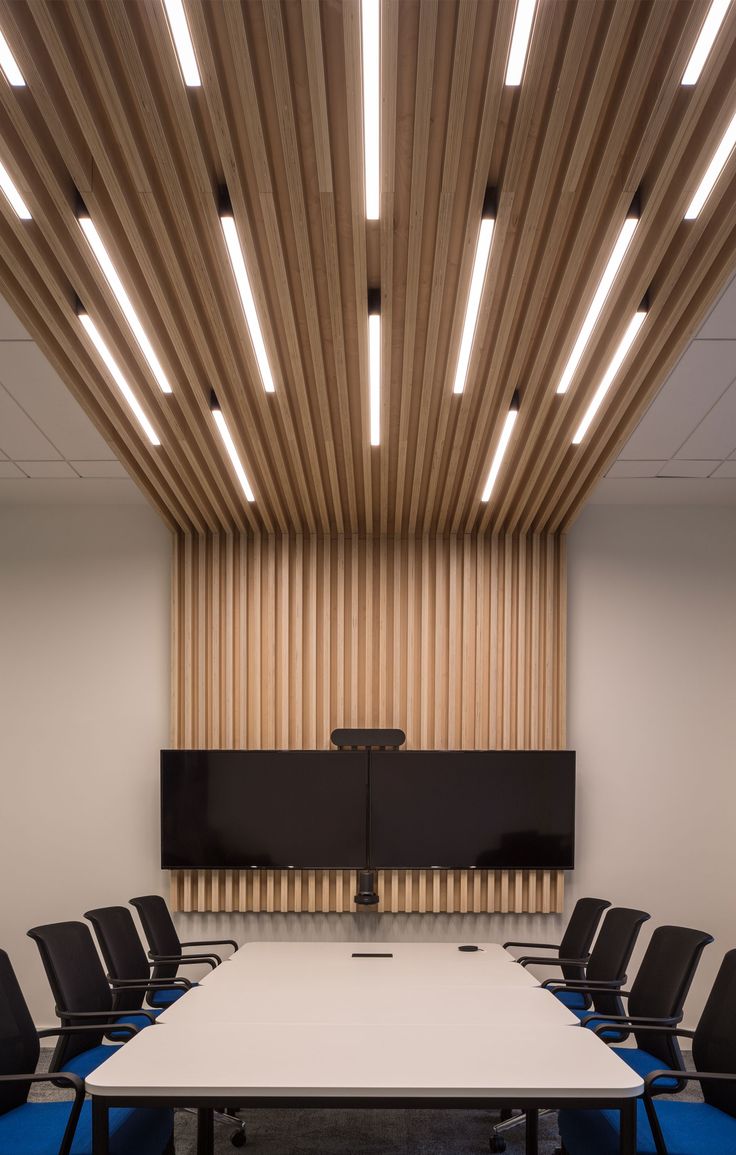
458	640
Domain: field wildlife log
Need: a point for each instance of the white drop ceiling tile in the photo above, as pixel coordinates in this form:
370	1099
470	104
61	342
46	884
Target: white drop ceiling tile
702	375
8	469
10	327
622	468
100	468
727	469
20	439
722	321
679	468
30	379
715	437
47	468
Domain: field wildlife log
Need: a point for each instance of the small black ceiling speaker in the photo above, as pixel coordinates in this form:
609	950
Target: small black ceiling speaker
384	739
366	895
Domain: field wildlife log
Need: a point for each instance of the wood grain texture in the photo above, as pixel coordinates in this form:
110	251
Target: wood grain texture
460	641
600	114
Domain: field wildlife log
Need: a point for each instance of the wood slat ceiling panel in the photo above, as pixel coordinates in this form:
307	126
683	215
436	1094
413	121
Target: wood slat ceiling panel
278	120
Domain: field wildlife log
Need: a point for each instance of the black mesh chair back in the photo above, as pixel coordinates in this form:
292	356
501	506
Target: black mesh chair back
18	1040
158	927
714	1045
580	932
662	984
77	982
122	951
611	953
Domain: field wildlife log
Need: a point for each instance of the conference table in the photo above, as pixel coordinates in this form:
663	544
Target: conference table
389	1025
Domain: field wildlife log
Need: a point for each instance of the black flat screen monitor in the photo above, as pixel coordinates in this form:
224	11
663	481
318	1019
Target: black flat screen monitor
497	810
234	809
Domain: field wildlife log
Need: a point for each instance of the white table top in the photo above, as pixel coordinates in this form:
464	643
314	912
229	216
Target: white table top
410	1061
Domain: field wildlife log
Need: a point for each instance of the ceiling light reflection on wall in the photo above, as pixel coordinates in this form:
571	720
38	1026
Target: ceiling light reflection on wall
477	280
183	45
374	363
11	192
242	280
9	65
714	170
705	41
616	362
370	15
520	37
596	306
498	456
117	376
230	446
111	276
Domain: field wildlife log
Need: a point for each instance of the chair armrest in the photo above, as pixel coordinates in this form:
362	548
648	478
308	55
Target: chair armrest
181	984
102	1018
600	986
66	1078
681	1076
545	945
542	960
184	959
665	1030
627	1020
106	1031
213	942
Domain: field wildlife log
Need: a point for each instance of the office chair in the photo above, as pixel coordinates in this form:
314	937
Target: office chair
163	941
82	994
128	969
574	947
669	1126
605	975
51	1128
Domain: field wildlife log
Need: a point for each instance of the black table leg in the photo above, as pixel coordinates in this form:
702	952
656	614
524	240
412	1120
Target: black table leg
628	1128
205	1131
100	1127
532	1132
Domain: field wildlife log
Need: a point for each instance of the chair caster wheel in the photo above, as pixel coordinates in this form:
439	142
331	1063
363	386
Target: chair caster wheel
239	1138
495	1144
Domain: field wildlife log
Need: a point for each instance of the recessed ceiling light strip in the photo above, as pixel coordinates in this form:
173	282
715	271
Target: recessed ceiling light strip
520	37
370	14
503	443
111	276
230	446
242	280
596	306
11	192
706	39
477	280
117	376
714	170
180	34
616	362
374	363
9	65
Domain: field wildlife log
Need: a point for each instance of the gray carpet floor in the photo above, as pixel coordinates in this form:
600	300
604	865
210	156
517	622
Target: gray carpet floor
370	1132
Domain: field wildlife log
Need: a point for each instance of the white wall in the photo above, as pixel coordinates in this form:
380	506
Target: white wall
84	710
652	714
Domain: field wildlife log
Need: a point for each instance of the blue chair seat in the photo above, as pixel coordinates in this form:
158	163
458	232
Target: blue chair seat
688	1129
88	1061
37	1129
574	1000
164	999
644	1063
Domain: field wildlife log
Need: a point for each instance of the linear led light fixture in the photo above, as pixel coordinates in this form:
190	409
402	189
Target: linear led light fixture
9	65
704	43
374	363
240	272
615	364
11	192
477	280
502	446
230	446
604	287
94	239
520	38
180	34
370	19
116	374
714	170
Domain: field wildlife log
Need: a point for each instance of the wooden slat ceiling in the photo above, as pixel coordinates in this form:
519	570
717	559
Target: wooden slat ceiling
278	119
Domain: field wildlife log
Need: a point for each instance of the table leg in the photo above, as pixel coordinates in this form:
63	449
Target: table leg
205	1131
628	1128
100	1127
532	1132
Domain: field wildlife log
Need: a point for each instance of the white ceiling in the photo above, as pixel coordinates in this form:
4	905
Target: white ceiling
683	452
49	449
